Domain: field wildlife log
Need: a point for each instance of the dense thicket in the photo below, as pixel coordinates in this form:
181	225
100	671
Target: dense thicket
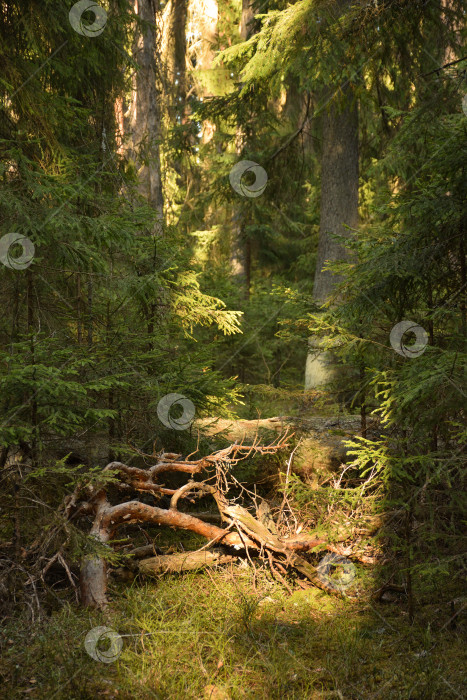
96	329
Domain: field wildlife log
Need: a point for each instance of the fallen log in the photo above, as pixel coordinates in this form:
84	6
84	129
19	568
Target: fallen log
238	528
108	518
178	563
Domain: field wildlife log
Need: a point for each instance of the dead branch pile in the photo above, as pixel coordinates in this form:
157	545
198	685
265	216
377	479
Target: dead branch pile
238	530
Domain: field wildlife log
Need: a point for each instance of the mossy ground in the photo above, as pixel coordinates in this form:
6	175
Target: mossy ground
229	634
232	633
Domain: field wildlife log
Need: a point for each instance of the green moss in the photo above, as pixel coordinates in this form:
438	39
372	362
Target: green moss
183	635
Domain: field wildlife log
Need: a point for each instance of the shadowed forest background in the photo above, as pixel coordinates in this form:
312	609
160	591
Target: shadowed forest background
233	349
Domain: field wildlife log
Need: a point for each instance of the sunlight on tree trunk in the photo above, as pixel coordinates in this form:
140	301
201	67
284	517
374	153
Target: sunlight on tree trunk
240	251
173	47
145	112
339	212
203	16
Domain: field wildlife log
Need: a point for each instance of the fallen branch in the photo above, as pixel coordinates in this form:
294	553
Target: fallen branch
242	530
177	563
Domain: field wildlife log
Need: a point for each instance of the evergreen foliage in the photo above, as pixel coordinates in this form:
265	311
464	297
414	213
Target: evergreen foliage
109	317
97	329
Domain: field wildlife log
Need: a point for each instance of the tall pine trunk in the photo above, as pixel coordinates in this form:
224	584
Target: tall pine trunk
240	246
174	57
145	110
174	48
339	212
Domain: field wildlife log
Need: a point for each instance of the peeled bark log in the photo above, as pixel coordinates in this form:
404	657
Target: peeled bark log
186	561
93	574
93	582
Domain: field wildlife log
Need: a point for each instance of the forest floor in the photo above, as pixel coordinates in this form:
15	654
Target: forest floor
228	633
235	632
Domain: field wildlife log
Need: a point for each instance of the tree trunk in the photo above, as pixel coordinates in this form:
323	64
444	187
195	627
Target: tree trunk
186	561
339	210
246	25
205	18
93	572
174	57
174	48
93	582
145	120
240	247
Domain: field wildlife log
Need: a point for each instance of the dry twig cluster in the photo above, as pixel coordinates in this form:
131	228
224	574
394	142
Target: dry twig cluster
238	531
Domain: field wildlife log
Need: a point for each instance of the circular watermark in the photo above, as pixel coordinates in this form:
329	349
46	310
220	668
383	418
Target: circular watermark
20	262
103	644
464	105
346	575
76	13
237	173
398	332
166	404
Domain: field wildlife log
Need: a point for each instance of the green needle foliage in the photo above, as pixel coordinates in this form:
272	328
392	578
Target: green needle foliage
409	263
109	317
100	326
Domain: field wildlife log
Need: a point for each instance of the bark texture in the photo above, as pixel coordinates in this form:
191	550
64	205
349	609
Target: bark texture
177	563
339	212
93	575
174	47
145	112
240	247
339	188
246	25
